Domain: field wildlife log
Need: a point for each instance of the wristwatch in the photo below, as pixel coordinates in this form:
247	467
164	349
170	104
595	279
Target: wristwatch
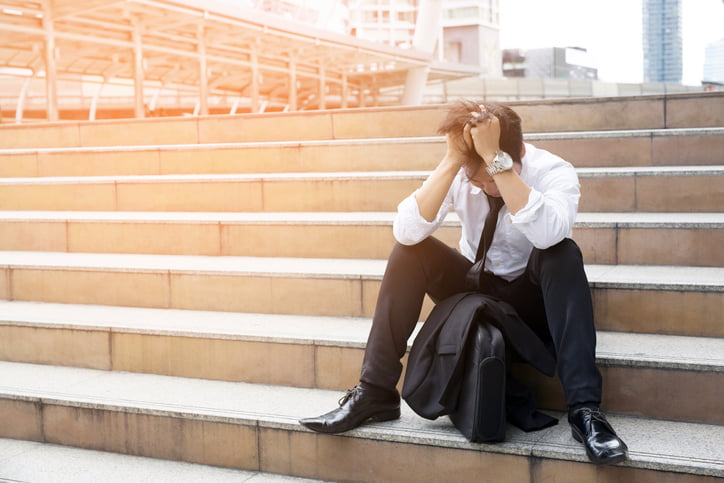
501	162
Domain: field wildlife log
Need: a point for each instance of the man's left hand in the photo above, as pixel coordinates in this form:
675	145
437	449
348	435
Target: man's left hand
485	134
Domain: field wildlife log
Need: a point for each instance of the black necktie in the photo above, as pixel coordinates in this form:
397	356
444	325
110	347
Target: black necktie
486	239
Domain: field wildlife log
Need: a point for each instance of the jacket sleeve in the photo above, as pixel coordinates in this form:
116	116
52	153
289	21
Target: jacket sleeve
550	213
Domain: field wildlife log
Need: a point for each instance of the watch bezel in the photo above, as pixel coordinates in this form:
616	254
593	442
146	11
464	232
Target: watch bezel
499	166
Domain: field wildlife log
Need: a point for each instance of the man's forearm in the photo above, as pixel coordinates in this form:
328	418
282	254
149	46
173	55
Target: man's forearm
513	190
433	191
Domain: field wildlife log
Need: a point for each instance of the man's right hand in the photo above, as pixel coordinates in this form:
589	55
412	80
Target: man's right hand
459	146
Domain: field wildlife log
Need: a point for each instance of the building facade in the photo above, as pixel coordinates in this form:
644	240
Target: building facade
714	63
662	41
469	32
549	63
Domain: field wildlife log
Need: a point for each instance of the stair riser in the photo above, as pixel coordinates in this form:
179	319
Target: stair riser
659	311
292	452
651	246
702	110
637	151
624	194
623	151
646	392
668	392
174	438
657	246
273	159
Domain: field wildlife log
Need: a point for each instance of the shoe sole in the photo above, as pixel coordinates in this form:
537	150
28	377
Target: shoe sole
382	416
608	461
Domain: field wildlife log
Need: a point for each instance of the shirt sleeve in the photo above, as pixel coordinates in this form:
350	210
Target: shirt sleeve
550	213
410	228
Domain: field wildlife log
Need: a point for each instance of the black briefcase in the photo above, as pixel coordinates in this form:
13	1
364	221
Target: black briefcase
480	411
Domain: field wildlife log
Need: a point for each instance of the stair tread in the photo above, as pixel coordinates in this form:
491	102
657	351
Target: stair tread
651	277
704	170
584	219
653	444
613	348
531	136
52	463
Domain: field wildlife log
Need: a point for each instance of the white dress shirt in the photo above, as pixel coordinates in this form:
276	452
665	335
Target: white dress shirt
545	220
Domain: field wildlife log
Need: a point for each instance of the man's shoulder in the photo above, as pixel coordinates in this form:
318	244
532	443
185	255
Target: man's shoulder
544	158
542	166
541	161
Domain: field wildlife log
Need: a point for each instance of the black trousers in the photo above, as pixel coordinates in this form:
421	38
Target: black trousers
552	297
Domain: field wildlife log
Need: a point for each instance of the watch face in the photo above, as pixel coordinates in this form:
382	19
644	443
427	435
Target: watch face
504	160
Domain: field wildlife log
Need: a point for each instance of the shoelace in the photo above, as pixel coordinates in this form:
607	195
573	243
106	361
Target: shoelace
597	415
349	394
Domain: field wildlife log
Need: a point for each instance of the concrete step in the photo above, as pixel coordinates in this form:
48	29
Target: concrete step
697	146
28	461
654	299
645	147
592	114
629	238
254	427
326	353
657	189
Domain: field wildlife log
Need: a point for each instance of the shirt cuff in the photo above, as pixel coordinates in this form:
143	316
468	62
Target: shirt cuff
409	226
529	212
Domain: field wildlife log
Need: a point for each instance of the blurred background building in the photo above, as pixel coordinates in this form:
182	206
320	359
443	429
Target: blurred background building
714	64
469	29
549	63
662	40
68	59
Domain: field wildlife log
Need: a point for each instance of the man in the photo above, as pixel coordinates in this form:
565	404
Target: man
531	263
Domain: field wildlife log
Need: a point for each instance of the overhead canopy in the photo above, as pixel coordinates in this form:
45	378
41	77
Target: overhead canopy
211	46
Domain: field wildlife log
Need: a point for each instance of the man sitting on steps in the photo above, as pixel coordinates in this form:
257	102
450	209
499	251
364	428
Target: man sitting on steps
530	262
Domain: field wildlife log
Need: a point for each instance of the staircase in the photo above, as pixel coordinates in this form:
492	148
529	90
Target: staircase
186	289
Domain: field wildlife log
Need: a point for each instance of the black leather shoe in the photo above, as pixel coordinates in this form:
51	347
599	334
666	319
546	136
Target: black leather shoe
359	405
590	427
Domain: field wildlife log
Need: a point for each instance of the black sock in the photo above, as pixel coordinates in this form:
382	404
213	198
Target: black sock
589	405
375	387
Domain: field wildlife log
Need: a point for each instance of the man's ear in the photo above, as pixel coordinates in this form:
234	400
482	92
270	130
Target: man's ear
522	152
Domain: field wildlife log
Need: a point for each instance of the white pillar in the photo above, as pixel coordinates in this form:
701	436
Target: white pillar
254	81
203	72
293	101
427	29
345	91
415	83
235	106
21	99
138	77
94	102
51	76
322	87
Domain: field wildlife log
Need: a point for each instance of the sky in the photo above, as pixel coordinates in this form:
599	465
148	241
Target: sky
610	30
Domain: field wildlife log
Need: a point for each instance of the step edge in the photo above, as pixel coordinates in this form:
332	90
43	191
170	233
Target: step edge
245	327
700	279
598	172
388	432
532	136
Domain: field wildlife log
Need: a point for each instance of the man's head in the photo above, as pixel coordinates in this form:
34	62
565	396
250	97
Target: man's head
511	132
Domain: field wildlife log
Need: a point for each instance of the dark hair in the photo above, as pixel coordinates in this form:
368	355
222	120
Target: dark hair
511	131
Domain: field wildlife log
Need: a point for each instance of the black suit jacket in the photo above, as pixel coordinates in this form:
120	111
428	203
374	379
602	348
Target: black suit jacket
435	364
